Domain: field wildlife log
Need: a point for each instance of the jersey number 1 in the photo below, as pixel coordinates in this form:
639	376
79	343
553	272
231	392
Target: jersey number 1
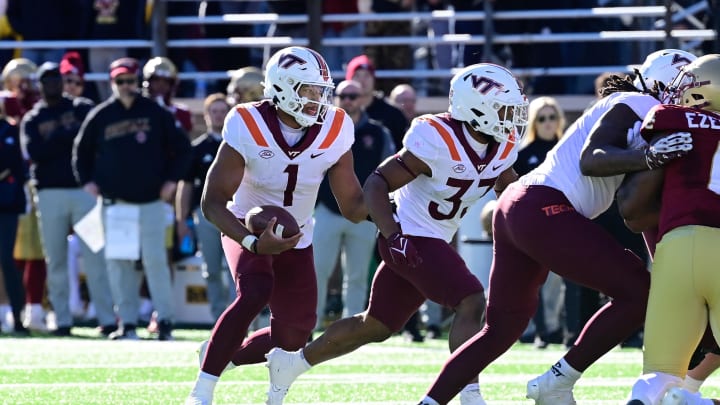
292	172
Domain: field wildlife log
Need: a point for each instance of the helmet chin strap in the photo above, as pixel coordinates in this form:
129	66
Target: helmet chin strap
642	81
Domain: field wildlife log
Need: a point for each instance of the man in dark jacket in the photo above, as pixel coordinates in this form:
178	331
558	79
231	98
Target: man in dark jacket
48	132
131	153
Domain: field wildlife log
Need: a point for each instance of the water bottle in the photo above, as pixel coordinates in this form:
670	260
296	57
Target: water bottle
187	245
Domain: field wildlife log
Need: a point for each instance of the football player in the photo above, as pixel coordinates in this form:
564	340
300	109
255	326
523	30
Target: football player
160	82
448	161
20	91
245	85
275	152
543	221
686	256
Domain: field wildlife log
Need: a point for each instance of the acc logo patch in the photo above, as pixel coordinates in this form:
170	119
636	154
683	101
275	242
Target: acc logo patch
266	154
459	168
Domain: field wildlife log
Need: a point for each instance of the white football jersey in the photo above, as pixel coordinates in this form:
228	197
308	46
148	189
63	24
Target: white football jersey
279	174
590	196
463	170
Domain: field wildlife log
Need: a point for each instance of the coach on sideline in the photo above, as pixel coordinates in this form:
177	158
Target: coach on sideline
130	152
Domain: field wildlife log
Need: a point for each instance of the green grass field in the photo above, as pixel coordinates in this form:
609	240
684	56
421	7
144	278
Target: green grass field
88	370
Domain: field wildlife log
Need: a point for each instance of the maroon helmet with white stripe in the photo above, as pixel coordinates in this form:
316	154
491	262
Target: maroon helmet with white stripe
298	81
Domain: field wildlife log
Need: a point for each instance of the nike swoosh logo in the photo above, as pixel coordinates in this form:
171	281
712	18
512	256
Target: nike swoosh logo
313	155
495	167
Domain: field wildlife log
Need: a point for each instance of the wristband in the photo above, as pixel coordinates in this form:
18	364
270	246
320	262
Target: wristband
249	242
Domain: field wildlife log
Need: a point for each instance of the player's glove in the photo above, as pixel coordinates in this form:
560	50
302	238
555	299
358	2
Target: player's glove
666	148
402	250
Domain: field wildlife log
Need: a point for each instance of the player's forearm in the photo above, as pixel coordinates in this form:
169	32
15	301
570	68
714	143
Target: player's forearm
378	205
356	211
611	161
223	219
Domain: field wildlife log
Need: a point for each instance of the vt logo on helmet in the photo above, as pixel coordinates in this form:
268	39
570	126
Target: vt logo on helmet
490	100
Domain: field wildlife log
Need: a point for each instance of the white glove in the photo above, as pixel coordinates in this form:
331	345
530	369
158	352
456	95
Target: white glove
667	148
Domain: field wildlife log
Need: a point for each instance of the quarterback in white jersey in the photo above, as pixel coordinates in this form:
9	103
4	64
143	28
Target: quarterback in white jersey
542	223
447	162
277	173
275	152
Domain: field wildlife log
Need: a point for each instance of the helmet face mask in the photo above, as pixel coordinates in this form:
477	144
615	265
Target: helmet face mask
698	84
491	100
298	81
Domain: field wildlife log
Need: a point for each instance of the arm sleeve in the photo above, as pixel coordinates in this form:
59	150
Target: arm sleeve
231	132
422	141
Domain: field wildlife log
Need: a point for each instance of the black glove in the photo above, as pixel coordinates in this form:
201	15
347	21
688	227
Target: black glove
402	250
666	148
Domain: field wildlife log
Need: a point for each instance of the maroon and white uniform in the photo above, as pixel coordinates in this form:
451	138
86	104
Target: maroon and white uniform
543	222
283	167
277	173
429	209
463	170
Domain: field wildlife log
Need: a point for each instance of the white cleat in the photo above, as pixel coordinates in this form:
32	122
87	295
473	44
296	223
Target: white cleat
679	396
471	398
201	356
284	368
540	390
34	318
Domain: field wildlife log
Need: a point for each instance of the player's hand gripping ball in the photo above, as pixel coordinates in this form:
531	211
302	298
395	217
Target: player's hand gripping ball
257	218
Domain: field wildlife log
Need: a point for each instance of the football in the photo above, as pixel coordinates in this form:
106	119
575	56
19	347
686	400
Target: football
257	218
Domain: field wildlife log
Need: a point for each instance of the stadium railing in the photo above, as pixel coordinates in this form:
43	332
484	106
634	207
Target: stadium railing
657	32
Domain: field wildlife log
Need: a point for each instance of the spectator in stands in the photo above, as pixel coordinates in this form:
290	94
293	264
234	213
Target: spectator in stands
187	202
404	97
245	85
47	132
72	69
131	128
546	125
338	56
45	20
353	243
362	70
111	20
13	173
19	88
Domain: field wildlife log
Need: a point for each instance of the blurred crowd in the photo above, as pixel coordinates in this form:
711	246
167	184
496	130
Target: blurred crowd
38	20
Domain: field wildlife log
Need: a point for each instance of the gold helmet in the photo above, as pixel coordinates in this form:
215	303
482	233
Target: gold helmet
698	84
21	67
246	85
160	66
